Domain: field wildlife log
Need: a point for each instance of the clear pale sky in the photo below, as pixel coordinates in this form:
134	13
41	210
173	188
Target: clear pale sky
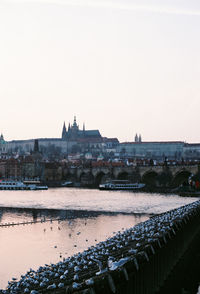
122	67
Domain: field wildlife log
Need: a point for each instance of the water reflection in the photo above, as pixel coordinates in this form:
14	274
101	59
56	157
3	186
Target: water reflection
11	216
29	246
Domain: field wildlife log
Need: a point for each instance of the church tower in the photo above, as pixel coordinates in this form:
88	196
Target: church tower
83	130
74	129
36	146
75	126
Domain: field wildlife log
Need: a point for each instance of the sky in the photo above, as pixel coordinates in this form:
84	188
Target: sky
121	66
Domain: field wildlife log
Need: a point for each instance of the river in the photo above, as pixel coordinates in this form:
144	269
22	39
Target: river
53	224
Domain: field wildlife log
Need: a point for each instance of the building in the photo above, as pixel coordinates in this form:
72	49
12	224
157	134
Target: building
78	142
27	146
81	141
191	151
73	133
87	140
154	150
73	140
3	148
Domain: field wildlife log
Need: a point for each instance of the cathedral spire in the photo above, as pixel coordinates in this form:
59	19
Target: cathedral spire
75	124
63	131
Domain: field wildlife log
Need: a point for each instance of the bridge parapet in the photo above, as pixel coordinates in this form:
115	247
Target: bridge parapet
137	260
192	169
158	169
174	169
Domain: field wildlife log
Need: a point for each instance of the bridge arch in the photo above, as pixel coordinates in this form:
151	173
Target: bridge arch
181	178
67	175
81	176
164	179
86	178
123	176
150	178
99	178
135	177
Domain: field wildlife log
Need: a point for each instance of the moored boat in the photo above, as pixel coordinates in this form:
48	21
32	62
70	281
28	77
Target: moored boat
67	184
19	185
121	185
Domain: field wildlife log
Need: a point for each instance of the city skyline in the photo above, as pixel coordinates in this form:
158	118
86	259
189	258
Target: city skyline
137	137
123	67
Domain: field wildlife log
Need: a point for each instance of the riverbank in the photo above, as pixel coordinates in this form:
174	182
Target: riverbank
184	192
180	191
139	258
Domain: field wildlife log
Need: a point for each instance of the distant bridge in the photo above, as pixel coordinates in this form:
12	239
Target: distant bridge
153	175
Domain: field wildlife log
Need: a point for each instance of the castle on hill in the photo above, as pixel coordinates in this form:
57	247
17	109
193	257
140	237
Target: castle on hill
73	133
72	140
75	140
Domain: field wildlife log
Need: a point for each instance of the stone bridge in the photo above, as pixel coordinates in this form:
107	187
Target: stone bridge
152	175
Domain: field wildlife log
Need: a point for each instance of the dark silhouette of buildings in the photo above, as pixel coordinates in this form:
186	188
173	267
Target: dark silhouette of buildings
73	133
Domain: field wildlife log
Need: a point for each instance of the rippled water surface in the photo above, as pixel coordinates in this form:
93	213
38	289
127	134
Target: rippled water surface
65	221
92	200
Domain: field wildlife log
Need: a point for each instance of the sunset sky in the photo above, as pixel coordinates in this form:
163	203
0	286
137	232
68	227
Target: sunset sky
122	67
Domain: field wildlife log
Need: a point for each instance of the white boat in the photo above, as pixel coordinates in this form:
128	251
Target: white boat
121	185
67	184
18	185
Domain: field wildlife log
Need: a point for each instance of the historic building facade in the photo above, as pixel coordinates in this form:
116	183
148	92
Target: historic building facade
156	150
73	133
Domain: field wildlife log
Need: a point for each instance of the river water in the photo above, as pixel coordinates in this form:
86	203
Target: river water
53	224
